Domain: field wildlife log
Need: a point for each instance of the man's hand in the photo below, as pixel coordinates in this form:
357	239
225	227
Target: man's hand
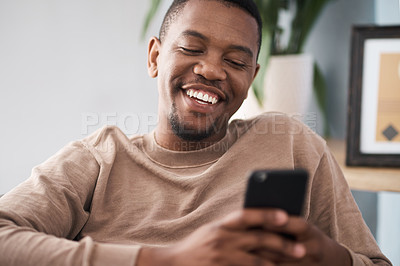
319	248
250	237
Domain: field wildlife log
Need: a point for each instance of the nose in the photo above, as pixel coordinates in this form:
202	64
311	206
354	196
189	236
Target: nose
210	68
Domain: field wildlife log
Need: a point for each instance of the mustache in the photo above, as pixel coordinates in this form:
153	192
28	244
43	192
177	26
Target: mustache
200	80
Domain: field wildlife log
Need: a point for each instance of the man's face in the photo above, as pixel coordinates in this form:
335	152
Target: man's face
205	65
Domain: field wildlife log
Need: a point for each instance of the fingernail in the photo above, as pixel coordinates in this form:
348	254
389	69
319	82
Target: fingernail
280	217
299	250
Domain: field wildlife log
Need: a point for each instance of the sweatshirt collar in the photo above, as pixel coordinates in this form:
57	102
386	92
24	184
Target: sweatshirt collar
185	159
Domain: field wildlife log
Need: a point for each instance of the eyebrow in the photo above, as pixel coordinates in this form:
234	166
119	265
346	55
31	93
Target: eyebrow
242	48
192	33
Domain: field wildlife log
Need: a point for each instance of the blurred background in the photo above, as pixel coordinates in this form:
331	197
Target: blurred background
69	67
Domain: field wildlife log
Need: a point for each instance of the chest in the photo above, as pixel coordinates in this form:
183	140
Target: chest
148	204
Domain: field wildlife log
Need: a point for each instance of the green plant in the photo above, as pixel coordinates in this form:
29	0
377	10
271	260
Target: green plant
305	14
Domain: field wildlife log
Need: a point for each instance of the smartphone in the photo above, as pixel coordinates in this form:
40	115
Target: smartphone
283	189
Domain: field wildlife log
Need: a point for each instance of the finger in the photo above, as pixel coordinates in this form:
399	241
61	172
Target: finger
296	226
269	255
315	241
252	259
250	240
275	257
309	235
272	242
250	218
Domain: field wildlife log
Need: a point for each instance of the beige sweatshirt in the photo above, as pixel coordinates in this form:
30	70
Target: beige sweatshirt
98	200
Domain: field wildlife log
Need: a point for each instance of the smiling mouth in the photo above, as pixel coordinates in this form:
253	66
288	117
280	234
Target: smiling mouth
202	97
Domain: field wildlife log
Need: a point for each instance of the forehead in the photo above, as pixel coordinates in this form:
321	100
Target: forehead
216	20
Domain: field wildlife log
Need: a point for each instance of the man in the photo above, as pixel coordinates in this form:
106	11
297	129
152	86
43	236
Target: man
175	196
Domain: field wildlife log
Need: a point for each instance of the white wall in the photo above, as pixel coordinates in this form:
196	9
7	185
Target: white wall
388	232
387	12
63	64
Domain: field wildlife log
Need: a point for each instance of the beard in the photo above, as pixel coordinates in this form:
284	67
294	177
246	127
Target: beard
184	130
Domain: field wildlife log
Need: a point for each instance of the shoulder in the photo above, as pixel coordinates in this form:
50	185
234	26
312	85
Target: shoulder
275	124
104	134
109	140
110	135
280	132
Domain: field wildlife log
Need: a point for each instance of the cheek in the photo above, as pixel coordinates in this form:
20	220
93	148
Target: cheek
241	85
171	74
174	66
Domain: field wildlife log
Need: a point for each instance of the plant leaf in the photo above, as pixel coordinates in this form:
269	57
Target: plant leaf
263	58
155	4
320	91
269	11
307	13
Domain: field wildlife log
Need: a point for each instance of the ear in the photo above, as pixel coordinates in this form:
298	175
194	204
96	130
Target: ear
255	72
254	76
152	56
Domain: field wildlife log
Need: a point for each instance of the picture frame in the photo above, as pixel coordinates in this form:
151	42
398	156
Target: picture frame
373	125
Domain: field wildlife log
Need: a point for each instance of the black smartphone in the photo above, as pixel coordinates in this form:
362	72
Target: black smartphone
283	189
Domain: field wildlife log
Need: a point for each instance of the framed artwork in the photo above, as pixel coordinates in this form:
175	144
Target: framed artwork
373	126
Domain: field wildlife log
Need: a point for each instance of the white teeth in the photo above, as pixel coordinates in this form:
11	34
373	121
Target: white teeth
204	97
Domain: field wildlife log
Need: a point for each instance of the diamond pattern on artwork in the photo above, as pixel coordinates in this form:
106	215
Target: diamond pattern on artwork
390	132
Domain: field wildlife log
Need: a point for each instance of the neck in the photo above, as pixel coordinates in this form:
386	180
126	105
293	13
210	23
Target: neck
168	140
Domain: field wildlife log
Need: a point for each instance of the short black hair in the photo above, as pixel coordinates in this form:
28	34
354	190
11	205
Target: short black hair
177	6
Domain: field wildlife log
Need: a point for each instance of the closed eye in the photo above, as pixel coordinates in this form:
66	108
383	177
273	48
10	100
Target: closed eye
235	63
190	51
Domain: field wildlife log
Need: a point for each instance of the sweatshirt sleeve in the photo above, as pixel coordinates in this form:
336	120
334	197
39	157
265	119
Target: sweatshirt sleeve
334	211
40	218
